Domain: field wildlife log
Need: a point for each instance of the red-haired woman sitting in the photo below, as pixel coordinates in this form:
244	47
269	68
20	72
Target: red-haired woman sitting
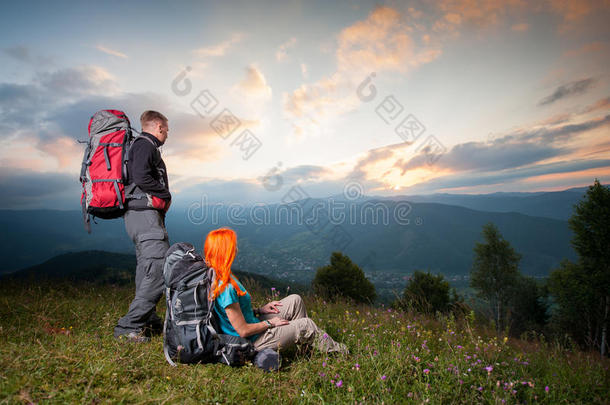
277	324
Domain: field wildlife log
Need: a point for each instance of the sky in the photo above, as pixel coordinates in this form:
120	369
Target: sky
377	98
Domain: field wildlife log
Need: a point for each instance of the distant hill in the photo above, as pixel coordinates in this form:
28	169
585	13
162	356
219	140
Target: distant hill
93	266
556	204
437	237
112	268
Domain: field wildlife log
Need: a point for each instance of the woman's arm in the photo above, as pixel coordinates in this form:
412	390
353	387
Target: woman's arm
245	329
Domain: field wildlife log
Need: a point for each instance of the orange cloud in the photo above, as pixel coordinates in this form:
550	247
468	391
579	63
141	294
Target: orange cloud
520	27
282	52
585	176
381	42
111	52
480	13
592	47
219	49
573	13
254	84
65	150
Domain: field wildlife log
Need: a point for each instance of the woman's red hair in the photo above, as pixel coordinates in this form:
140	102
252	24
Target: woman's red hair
219	251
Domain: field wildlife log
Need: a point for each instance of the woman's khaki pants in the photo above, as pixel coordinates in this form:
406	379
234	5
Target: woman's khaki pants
300	330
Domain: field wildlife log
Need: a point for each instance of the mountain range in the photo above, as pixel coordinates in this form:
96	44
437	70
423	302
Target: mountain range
388	237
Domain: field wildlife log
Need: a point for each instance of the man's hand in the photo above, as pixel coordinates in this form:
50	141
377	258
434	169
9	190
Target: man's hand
271	308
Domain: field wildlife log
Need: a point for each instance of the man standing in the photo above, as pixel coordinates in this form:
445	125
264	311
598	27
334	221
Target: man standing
147	200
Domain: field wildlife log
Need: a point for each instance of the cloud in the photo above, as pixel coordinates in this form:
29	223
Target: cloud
596	47
572	10
221	48
23	54
571	89
485	156
517	149
456	14
254	84
372	157
26	189
467	180
480	13
67	152
282	52
299	174
33	105
382	42
111	51
601	104
41	121
513	155
520	27
78	80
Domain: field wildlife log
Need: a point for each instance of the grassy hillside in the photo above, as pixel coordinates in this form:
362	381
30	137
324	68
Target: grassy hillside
56	346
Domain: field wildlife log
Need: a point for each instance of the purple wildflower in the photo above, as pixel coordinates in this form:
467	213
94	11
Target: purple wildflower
339	383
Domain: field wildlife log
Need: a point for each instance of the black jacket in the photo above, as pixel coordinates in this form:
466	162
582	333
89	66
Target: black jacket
146	168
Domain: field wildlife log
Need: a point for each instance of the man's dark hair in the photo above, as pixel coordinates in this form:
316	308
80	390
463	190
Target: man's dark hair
149	115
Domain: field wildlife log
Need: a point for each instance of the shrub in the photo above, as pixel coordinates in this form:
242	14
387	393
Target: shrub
343	278
426	293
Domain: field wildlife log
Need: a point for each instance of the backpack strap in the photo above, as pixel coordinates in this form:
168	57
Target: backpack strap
130	190
147	138
167	315
86	216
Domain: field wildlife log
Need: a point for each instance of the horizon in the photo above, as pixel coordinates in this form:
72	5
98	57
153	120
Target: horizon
359	98
357	197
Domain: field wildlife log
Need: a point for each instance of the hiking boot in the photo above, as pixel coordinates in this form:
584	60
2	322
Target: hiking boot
154	328
339	348
136	337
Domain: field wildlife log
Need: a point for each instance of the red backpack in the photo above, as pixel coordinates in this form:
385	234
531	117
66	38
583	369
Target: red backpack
104	170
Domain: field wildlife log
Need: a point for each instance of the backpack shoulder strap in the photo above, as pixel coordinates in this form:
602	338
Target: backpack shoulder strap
147	138
167	315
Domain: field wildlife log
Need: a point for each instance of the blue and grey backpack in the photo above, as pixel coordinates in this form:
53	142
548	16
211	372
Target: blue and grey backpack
190	328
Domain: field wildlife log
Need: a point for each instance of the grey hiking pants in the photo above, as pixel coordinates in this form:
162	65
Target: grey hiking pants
146	229
300	330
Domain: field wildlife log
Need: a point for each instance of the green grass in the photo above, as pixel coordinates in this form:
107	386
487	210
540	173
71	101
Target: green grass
396	358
